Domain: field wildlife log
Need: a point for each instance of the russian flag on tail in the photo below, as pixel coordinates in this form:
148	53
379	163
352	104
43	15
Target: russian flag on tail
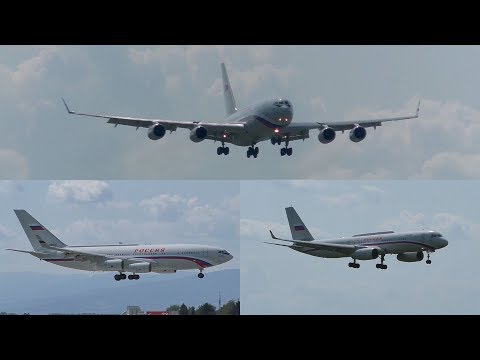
36	227
299	227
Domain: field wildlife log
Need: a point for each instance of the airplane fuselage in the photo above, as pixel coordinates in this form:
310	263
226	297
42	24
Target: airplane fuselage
391	243
260	121
163	258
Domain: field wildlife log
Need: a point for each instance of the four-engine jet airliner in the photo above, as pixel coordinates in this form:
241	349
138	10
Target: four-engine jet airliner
409	246
135	259
266	120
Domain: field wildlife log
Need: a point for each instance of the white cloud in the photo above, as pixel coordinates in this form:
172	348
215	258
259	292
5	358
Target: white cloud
446	165
13	164
10	186
5	232
166	202
18	80
80	191
345	199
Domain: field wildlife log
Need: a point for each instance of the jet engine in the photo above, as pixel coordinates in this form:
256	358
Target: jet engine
141	267
410	256
114	264
365	254
326	135
358	133
198	134
156	131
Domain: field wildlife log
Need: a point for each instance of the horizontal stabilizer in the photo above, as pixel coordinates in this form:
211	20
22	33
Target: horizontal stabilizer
23	251
266	242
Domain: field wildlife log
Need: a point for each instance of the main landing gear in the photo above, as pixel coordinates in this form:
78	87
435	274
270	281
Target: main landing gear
252	151
201	275
283	151
119	277
223	149
286	150
381	265
428	259
354	264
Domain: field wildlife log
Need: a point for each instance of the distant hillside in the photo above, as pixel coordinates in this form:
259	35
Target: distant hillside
44	293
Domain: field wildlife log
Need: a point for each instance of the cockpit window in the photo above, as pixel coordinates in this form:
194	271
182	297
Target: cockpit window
279	103
436	235
224	252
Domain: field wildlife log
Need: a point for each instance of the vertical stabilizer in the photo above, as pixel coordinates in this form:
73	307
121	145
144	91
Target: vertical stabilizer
230	106
297	227
36	232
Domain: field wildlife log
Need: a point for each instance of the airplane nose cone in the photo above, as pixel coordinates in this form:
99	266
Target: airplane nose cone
443	242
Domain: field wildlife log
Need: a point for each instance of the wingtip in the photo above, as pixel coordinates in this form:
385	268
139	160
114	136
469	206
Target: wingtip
418	107
66	106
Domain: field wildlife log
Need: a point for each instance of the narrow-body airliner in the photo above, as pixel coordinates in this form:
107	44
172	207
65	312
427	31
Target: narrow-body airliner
270	119
408	246
134	259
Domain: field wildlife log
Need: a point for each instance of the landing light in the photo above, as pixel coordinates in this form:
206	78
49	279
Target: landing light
224	136
276	130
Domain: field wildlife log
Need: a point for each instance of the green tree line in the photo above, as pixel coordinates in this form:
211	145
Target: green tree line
230	308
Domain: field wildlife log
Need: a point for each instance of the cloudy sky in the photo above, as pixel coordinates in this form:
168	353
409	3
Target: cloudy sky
38	140
278	280
108	212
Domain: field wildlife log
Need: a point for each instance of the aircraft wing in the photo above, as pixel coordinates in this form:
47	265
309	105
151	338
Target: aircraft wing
342	248
80	255
297	131
215	130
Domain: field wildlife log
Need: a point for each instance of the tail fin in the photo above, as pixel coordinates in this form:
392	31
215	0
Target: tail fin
297	227
230	107
36	232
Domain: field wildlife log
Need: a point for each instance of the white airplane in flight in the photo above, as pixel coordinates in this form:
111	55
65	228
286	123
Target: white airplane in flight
409	246
164	258
265	120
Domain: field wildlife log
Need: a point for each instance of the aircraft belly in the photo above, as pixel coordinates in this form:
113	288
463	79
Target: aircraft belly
401	248
175	264
320	253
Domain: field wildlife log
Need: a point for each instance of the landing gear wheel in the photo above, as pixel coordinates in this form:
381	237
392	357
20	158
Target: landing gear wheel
117	277
220	150
289	151
130	277
381	265
123	276
252	151
279	141
201	275
282	151
354	265
428	259
226	151
136	277
273	140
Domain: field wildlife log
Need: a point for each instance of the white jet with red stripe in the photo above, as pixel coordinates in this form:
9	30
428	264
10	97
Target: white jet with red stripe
409	246
134	259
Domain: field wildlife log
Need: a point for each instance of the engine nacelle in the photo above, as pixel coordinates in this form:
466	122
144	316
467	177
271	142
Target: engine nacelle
326	135
198	134
410	256
114	264
156	131
142	267
365	254
358	133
